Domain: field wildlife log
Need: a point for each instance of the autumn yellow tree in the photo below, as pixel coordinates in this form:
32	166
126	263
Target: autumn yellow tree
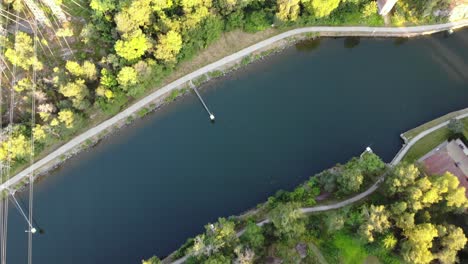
169	46
288	10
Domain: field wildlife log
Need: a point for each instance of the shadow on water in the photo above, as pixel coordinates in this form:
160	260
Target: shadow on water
308	45
400	41
351	42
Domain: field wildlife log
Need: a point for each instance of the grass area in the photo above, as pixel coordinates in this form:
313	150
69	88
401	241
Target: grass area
429	142
346	248
415	131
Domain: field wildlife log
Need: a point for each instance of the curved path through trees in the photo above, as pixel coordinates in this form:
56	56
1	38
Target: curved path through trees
342	31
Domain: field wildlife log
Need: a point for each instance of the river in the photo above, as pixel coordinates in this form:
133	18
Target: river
150	186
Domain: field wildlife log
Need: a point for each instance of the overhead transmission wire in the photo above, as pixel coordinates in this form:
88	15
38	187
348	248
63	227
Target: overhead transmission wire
3	73
8	167
33	125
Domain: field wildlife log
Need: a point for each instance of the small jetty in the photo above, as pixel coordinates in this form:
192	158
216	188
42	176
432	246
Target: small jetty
211	115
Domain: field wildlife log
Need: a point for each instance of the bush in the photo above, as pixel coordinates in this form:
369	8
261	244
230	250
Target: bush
257	21
235	20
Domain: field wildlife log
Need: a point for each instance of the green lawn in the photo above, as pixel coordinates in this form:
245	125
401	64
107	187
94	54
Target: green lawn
351	249
415	131
346	248
429	142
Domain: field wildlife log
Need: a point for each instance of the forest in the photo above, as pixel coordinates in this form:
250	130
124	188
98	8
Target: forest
68	65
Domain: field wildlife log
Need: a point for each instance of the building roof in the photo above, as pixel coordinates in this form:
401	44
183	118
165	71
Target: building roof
385	6
449	157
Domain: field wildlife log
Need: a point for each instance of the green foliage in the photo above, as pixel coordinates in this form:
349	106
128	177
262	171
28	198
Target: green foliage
87	70
133	47
102	6
169	46
212	26
152	260
22	54
173	95
389	241
253	236
235	20
257	21
286	219
371	163
142	112
288	10
401	177
376	221
127	77
452	239
456	127
417	248
351	179
77	92
321	8
218	236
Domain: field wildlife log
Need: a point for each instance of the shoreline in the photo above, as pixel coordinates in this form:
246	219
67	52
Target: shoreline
232	62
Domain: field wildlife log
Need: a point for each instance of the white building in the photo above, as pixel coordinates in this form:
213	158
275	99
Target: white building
385	6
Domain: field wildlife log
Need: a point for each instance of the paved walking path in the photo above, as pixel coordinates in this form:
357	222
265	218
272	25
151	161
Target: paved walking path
315	209
401	154
364	31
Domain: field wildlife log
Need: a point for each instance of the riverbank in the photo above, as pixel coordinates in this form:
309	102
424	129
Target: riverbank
82	141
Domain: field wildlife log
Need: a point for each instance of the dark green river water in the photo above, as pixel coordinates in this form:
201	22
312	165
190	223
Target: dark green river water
149	187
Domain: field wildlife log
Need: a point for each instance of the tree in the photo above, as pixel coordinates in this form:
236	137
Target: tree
321	8
244	255
376	220
452	239
77	92
168	46
286	220
389	242
253	236
66	117
350	179
127	76
327	180
402	177
212	28
288	10
87	70
39	133
217	259
335	221
256	21
217	236
226	7
16	147
371	163
22	54
448	187
235	20
107	79
455	127
134	16
417	248
23	85
159	5
101	7
132	47
153	260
